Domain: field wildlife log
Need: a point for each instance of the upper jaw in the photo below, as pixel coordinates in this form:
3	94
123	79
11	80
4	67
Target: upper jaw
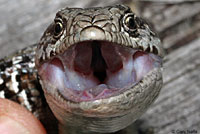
145	41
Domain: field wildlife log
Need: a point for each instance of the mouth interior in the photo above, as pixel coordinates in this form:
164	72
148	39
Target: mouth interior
93	70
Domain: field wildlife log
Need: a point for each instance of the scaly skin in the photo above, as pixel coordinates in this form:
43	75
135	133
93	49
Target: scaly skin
103	24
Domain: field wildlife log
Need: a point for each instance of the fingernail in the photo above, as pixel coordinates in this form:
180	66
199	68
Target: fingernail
10	126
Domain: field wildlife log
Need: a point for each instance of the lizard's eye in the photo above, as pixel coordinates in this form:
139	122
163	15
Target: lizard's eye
58	29
129	22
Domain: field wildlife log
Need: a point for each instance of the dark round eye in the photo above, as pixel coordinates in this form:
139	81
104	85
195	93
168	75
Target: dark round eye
130	22
58	28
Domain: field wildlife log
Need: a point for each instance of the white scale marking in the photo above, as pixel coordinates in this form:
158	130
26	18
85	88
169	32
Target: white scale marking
26	102
17	59
15	84
1	81
2	94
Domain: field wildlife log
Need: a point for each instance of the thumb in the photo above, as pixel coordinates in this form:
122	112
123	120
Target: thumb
15	119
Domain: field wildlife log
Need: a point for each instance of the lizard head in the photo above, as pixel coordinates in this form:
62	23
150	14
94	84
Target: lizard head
99	67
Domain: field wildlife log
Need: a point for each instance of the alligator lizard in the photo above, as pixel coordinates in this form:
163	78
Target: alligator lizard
98	69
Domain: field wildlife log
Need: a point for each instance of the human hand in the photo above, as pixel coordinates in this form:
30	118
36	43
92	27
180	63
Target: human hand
15	119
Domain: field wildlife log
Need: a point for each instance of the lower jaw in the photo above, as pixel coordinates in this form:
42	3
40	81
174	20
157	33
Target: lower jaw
85	96
117	112
144	90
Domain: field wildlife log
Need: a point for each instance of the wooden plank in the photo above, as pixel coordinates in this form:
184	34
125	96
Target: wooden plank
170	1
177	24
177	108
178	104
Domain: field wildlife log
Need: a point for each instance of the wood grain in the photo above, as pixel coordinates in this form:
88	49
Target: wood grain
177	109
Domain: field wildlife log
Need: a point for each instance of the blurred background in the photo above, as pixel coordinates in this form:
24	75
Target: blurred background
177	22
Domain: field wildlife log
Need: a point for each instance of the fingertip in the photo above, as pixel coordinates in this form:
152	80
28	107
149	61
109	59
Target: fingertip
16	119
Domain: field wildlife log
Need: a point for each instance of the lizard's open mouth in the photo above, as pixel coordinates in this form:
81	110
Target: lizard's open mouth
93	70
